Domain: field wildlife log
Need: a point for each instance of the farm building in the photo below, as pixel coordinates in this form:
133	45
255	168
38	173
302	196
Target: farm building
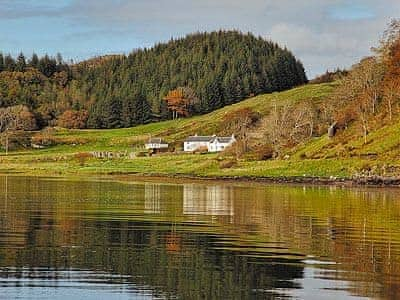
212	143
156	145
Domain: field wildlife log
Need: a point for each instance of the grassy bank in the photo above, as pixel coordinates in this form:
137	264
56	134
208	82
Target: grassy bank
183	164
320	157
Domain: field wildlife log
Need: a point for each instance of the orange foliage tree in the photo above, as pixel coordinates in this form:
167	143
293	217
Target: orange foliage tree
73	119
391	84
181	102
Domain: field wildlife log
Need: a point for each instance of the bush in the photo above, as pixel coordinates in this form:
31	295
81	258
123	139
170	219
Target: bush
264	152
142	154
227	164
44	139
201	150
15	140
83	157
73	119
303	156
71	140
237	150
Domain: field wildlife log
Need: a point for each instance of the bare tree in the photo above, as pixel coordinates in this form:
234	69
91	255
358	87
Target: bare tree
391	95
15	118
290	124
359	94
240	122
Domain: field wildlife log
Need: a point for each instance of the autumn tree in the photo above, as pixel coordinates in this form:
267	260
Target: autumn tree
390	53
73	119
359	94
181	102
17	118
13	119
391	92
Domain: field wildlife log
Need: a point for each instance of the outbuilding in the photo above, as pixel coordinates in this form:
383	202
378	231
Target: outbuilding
157	145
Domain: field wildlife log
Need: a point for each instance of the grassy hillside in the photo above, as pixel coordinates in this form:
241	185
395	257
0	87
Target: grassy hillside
383	143
178	130
320	157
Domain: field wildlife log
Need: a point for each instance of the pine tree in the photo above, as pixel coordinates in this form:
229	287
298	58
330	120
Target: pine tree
47	65
143	110
1	62
21	63
9	63
34	62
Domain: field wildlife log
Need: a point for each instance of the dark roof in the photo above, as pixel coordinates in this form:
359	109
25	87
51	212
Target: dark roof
156	141
224	139
198	138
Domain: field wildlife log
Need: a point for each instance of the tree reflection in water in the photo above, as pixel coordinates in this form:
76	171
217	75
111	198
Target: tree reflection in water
197	241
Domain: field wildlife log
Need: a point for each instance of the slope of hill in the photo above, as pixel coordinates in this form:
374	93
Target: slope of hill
175	131
220	68
318	157
117	91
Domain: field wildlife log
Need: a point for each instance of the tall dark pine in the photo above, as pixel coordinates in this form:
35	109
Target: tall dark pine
34	62
1	62
9	63
20	63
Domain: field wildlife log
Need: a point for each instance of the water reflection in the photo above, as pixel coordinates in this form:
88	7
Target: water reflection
152	198
195	241
210	200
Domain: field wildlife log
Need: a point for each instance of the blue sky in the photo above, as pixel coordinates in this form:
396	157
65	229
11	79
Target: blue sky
324	34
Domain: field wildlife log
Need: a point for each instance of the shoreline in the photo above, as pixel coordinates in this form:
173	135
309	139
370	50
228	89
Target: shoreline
372	181
383	182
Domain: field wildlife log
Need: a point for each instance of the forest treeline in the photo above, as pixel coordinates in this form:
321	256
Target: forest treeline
206	70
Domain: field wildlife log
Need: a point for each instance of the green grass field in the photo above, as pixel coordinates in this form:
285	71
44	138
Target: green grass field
320	157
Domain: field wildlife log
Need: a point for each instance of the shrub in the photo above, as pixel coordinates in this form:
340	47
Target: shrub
303	156
73	119
142	154
227	164
15	140
264	152
201	150
82	157
237	150
71	140
44	139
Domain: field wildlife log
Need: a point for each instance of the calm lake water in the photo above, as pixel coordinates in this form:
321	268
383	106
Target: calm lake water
98	239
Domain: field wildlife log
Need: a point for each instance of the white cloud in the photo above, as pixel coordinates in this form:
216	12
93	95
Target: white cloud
324	34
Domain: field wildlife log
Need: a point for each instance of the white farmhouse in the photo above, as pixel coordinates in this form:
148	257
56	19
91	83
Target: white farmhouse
212	143
219	144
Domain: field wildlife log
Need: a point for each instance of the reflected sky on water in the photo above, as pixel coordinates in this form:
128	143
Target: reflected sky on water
99	239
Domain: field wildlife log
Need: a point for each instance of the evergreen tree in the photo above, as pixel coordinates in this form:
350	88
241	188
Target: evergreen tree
143	110
9	63
21	63
34	62
47	65
1	62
